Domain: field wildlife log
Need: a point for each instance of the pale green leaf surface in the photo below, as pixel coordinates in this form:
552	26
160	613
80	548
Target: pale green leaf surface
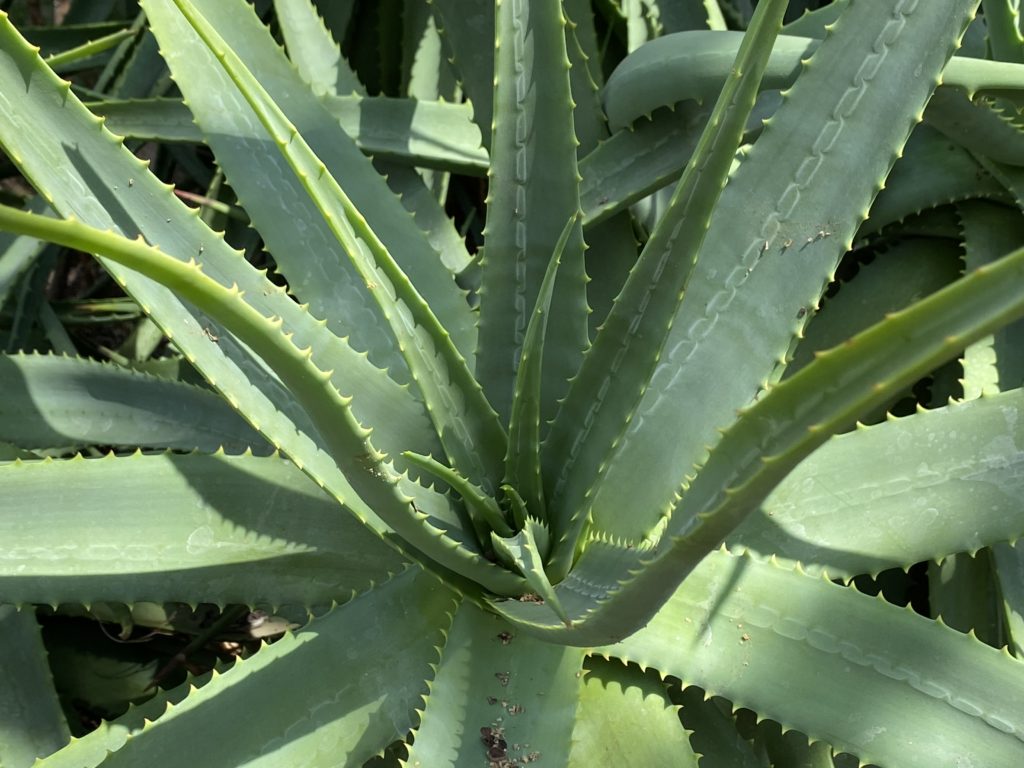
638	160
693	65
89	174
699	63
1009	562
468	40
313	698
900	274
423	328
612	248
533	192
428	213
426	73
525	551
800	650
431	134
625	719
714	734
996	363
585	76
31	721
764	445
933	171
605	392
977	124
917	488
313	51
522	462
192	528
88	54
1002	20
490	677
484	513
781	225
292	220
992	365
370	487
66	402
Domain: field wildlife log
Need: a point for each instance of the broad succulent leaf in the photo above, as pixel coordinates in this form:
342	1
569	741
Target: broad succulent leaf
534	190
828	645
33	723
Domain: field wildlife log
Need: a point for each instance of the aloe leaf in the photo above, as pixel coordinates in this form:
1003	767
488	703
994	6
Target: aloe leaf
533	192
526	554
305	241
611	248
54	39
65	402
638	160
776	236
313	51
517	508
900	274
991	365
1011	177
468	40
427	212
85	55
929	485
699	63
798	649
815	23
1009	563
617	702
981	125
604	394
714	734
17	254
467	426
997	363
367	478
436	135
693	65
933	171
497	696
522	462
220	529
484	512
393	629
667	16
786	425
87	167
426	73
768	440
1002	20
585	76
954	587
427	76
33	724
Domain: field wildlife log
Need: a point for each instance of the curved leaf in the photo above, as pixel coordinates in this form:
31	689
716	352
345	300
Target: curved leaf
802	650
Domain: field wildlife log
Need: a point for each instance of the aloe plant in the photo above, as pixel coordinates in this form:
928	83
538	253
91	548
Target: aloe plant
571	499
